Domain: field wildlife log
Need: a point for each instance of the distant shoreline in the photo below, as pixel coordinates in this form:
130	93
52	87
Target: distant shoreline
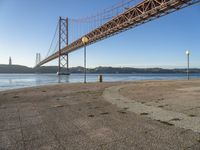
109	73
8	69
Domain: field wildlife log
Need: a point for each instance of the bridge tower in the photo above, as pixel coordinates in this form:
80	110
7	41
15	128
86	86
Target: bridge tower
63	59
38	58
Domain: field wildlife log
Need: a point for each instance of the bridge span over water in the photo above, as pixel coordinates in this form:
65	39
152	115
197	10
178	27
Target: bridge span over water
129	14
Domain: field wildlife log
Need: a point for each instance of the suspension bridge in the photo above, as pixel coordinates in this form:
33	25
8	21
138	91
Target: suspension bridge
120	17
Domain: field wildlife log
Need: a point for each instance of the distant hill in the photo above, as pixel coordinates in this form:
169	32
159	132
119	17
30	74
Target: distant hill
98	70
15	69
46	69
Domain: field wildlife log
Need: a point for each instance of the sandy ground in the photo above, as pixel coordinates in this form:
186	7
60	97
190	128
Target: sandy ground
76	116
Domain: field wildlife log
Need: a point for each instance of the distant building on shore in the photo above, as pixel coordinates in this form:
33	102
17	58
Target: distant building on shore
10	61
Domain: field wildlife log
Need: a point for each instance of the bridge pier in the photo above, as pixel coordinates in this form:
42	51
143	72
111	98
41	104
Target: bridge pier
63	60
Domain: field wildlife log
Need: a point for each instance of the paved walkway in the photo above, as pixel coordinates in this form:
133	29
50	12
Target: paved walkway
76	116
181	120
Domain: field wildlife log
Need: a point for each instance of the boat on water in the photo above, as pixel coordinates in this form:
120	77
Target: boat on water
63	73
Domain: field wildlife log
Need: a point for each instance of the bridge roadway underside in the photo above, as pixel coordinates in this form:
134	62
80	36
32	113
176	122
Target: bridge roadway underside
143	12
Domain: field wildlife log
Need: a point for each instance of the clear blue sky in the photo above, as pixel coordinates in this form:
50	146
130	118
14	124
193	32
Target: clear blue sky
27	27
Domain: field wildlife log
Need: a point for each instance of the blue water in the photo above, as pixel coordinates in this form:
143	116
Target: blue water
14	81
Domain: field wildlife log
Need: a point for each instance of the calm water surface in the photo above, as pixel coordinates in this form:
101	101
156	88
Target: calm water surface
14	81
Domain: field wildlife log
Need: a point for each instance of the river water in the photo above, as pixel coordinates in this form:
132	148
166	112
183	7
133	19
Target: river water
15	81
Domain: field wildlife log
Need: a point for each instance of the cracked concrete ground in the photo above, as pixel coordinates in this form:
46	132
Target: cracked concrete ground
76	116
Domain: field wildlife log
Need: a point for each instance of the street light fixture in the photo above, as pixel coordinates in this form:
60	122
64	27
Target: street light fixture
188	63
85	41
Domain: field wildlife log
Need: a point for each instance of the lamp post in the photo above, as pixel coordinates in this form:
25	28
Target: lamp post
188	63
85	41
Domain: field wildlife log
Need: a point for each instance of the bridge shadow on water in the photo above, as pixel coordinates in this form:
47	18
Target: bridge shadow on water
63	79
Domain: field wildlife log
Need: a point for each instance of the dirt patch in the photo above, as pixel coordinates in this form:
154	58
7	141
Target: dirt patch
16	96
175	119
198	140
104	113
192	115
166	123
126	108
122	112
91	116
144	114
